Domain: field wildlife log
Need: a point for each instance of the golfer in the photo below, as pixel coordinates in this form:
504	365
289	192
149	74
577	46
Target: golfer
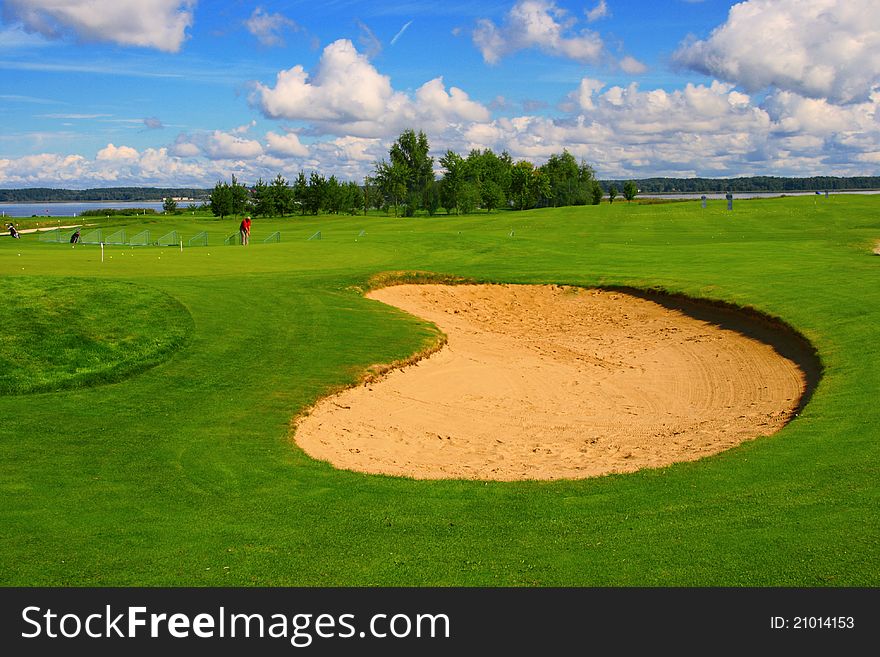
245	230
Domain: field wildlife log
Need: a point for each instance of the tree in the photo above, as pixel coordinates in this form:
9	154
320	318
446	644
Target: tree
528	185
468	197
316	198
391	181
261	198
491	195
301	192
239	197
221	199
629	190
410	155
587	185
612	193
562	176
596	193
432	199
352	198
333	196
169	205
372	197
453	180
491	175
282	196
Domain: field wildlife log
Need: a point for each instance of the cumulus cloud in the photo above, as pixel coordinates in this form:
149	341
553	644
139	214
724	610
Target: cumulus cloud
347	95
113	153
224	146
815	48
269	28
537	24
345	87
626	131
184	147
112	165
700	130
218	145
33	169
287	145
585	94
159	24
436	106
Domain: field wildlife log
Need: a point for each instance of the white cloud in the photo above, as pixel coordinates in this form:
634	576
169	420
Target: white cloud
159	24
218	145
347	96
111	153
436	106
113	165
225	146
243	129
585	92
358	149
34	169
627	131
624	131
632	65
597	12
536	24
816	48
348	158
707	130
184	147
287	145
157	166
345	88
269	28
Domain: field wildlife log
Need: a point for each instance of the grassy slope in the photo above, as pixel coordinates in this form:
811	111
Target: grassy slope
185	475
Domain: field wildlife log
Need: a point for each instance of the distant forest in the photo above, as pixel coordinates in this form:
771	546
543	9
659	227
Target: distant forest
750	184
47	195
645	186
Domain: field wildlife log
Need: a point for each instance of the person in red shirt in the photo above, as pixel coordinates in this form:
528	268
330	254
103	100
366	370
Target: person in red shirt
245	231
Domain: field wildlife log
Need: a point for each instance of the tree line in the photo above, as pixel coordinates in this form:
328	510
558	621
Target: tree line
751	184
49	195
280	198
406	183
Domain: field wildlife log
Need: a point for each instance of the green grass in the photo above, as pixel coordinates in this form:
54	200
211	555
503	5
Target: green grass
68	332
185	474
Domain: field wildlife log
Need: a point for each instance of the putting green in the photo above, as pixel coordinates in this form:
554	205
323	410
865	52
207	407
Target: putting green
71	333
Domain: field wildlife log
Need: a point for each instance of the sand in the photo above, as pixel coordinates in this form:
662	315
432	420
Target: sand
549	382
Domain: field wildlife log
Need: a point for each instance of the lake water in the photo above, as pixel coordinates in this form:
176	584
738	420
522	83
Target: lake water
75	209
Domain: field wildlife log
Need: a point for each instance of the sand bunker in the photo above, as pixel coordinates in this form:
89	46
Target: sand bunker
546	382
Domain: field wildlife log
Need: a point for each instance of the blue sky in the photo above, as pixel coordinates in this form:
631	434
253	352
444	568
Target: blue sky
188	92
